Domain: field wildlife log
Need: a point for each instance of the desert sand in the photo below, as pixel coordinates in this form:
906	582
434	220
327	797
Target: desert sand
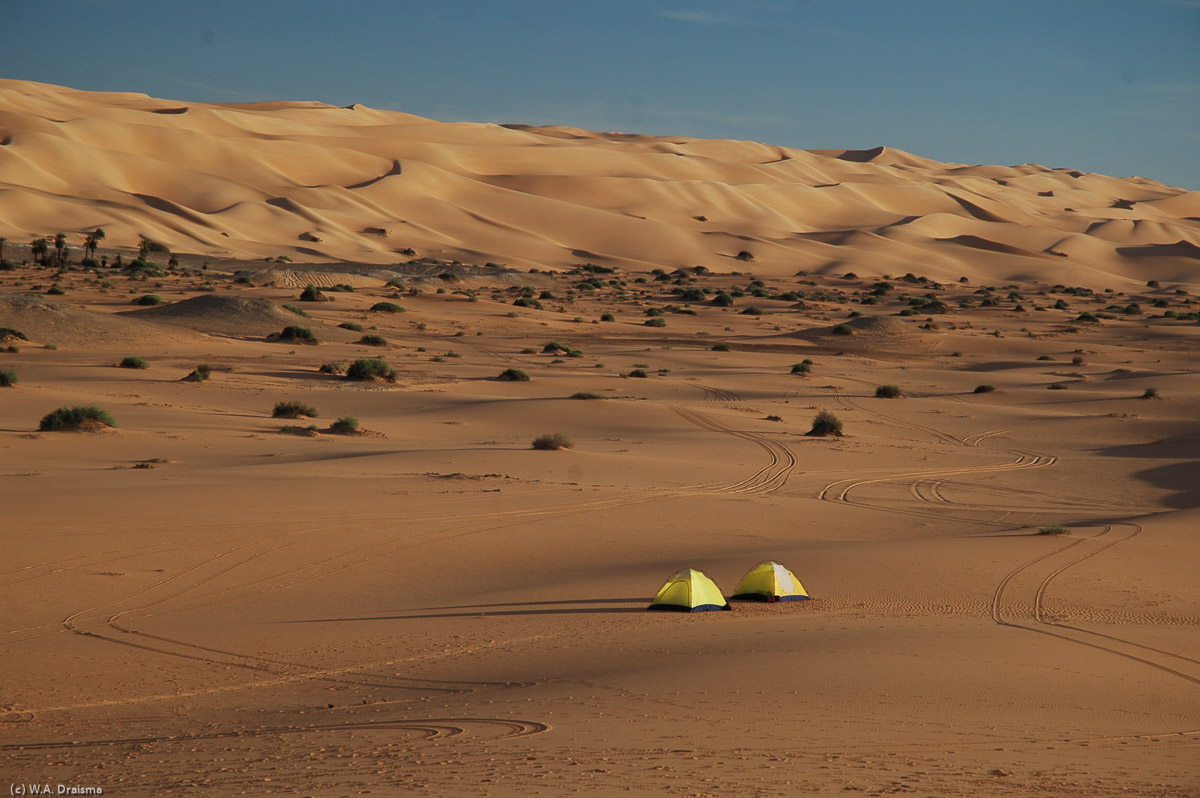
208	599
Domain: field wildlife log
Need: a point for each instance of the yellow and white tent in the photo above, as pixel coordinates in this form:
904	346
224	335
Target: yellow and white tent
689	591
770	581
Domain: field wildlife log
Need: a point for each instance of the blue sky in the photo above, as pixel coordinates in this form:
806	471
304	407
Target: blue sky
1109	86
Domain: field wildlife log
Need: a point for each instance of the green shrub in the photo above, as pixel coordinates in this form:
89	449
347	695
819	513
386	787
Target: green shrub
551	442
1056	386
9	332
657	321
723	300
349	325
148	299
312	294
826	424
842	329
135	363
753	310
1090	317
1150	393
586	395
371	368
984	388
72	418
293	410
373	340
607	317
888	392
141	267
298	311
346	425
722	347
337	368
514	375
8	378
297	334
310	431
554	348
387	307
801	368
639	373
1045	357
200	374
1054	530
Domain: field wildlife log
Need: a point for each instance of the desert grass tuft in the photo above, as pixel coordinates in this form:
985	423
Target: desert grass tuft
346	425
551	442
135	363
296	334
825	424
293	410
200	374
371	368
74	418
514	375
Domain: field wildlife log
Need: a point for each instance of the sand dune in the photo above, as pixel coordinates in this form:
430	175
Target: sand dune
234	591
307	180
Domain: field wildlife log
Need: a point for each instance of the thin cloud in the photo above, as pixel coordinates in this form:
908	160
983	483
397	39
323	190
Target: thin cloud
698	17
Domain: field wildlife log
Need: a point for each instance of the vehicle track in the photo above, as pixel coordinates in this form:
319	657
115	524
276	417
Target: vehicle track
1041	624
426	729
712	394
768	479
928	487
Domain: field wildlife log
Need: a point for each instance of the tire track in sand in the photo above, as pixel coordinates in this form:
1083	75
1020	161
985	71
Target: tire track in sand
1028	613
768	479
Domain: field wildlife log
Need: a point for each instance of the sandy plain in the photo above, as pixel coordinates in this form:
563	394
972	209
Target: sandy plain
198	602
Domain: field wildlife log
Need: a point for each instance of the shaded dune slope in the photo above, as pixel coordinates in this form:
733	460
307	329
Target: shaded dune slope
322	183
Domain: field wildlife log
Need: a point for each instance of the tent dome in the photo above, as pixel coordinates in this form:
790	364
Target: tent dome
689	591
770	581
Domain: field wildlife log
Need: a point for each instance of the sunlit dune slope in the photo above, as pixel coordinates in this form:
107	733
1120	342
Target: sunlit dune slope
321	183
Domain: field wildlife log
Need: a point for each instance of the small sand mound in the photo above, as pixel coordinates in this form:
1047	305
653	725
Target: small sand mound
889	326
290	278
213	313
48	322
881	333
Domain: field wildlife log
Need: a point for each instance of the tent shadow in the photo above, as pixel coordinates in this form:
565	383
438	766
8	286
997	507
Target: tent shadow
495	610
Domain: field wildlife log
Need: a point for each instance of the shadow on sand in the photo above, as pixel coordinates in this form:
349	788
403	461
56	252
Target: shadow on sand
501	610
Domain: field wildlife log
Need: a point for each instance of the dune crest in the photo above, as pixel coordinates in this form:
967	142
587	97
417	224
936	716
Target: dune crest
317	182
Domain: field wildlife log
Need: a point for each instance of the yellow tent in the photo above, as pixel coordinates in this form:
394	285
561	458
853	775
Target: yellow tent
689	591
770	581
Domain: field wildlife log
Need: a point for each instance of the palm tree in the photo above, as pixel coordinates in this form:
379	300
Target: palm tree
143	247
38	248
3	241
97	237
89	247
60	244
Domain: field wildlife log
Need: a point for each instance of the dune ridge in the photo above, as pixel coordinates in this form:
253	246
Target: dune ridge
315	182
